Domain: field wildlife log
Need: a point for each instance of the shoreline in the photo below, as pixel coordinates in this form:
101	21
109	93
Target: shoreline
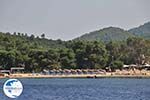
116	74
74	76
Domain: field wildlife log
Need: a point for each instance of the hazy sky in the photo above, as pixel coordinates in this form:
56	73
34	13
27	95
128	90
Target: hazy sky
67	19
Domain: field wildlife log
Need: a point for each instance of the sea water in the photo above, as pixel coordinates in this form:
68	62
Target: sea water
82	89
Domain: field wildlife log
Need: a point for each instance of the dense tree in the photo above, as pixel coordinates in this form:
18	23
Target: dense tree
36	54
43	35
116	65
67	59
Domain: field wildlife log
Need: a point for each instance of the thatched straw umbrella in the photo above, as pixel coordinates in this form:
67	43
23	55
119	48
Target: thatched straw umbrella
79	71
55	71
60	71
45	71
51	72
85	71
100	72
67	71
63	71
73	71
88	71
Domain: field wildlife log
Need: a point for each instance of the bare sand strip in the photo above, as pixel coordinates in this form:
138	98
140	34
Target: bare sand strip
107	75
117	74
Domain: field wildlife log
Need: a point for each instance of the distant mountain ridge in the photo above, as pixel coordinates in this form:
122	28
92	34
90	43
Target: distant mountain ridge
117	34
106	35
142	31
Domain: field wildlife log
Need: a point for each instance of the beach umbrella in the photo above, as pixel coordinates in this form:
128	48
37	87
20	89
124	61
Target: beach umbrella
79	71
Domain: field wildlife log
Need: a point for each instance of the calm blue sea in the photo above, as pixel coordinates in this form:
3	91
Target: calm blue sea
82	89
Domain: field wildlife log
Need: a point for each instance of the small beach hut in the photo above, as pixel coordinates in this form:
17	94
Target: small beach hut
17	70
5	71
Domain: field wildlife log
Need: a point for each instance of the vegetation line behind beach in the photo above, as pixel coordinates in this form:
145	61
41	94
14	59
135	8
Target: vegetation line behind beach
38	53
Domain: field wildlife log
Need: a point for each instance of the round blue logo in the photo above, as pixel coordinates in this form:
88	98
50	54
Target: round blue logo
12	88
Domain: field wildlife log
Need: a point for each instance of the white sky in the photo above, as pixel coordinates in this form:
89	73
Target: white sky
67	19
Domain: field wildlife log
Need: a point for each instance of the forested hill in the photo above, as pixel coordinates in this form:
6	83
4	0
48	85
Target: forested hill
19	49
107	35
12	41
142	31
38	53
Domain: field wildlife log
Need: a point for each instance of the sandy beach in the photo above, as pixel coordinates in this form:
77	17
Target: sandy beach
117	74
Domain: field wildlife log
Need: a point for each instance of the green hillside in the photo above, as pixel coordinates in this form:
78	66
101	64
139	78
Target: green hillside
142	31
106	35
17	39
38	53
